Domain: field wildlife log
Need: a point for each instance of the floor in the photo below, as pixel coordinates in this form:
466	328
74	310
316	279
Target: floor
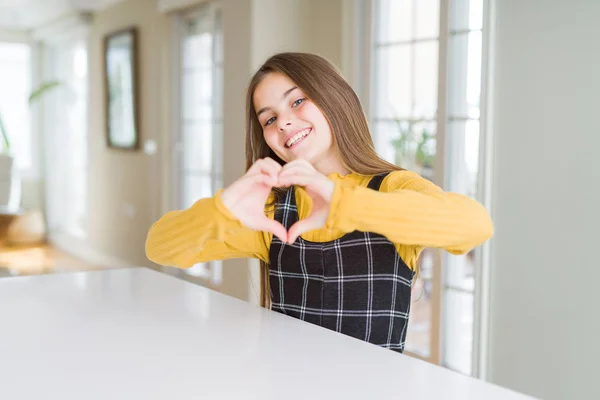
38	259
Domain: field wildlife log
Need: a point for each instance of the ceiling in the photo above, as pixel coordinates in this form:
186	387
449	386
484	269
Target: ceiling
22	15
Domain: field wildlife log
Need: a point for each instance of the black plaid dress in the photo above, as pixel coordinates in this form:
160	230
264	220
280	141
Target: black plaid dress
357	285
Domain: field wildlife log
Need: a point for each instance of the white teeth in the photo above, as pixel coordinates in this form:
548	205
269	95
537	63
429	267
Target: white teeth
297	137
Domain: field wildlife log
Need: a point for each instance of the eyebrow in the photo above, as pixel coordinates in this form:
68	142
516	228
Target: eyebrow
285	94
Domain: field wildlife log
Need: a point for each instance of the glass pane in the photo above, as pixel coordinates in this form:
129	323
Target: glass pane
464	71
217	272
218	93
218	148
460	271
385	133
201	270
428	18
393	82
76	199
426	80
418	337
463	151
196	187
395	20
78	152
15	87
197	146
197	94
466	15
458	328
197	51
409	143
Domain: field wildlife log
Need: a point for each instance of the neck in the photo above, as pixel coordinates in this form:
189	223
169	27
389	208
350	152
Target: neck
331	165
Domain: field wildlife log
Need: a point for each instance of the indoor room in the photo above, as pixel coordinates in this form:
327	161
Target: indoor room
130	263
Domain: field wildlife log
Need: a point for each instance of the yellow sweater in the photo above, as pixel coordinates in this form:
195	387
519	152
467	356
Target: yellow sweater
409	210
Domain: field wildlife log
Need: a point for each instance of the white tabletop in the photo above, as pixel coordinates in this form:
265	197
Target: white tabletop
140	334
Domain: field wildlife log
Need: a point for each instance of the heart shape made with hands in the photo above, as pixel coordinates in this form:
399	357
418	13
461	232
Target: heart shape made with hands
317	186
246	197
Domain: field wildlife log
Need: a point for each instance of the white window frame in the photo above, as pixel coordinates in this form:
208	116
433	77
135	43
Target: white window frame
359	29
210	274
65	33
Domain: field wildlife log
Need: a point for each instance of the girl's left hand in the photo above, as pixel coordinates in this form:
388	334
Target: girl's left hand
319	188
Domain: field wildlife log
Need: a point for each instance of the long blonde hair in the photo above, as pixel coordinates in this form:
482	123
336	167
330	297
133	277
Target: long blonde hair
329	91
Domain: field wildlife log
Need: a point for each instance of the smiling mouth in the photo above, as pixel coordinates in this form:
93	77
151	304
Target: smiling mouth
297	138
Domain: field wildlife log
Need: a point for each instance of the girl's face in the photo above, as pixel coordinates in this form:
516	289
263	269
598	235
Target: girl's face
293	126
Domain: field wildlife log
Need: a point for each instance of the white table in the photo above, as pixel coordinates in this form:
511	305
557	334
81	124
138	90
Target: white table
141	334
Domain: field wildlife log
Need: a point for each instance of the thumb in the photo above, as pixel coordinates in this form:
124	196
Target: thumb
274	227
304	225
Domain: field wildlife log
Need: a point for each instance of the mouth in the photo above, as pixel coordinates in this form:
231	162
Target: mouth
297	138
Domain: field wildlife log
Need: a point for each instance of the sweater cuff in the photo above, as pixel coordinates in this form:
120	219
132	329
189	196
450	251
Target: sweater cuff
221	207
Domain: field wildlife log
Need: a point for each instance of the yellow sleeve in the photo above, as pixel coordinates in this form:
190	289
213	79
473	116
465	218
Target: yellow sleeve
410	210
204	232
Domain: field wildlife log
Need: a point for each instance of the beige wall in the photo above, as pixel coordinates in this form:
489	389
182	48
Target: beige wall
123	185
544	277
237	40
290	25
325	37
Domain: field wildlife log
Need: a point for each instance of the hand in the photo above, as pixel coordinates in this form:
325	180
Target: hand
246	197
319	188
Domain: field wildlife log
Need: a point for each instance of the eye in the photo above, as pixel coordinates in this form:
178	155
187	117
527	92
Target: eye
270	121
298	102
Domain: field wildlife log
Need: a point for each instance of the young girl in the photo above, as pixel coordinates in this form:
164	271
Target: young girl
338	230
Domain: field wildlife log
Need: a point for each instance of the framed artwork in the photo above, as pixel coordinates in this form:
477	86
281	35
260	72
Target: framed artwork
120	84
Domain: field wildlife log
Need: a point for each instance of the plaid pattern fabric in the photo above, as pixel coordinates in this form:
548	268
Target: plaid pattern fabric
357	285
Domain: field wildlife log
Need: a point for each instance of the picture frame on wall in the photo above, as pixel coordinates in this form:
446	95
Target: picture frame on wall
121	86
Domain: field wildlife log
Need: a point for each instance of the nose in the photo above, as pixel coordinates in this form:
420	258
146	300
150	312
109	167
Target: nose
284	121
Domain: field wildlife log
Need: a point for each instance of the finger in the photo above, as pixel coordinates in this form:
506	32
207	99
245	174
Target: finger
276	166
299	161
248	181
300	178
298	165
268	167
297	168
269	225
304	225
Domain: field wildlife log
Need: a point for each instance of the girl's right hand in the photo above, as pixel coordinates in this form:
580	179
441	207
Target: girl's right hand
245	198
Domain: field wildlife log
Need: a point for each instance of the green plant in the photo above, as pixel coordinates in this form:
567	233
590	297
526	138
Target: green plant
411	146
37	94
424	156
44	88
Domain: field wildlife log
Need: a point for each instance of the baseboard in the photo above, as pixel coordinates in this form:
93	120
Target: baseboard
81	249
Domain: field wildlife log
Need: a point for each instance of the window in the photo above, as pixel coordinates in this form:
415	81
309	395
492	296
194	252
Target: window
404	115
425	92
15	84
67	144
461	172
199	171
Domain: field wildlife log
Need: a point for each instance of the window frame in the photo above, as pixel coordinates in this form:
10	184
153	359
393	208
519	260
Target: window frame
212	274
56	55
53	41
359	69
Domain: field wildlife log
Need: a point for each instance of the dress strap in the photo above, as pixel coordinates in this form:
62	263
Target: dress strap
375	182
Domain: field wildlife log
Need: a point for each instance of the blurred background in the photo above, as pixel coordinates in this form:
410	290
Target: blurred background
113	112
